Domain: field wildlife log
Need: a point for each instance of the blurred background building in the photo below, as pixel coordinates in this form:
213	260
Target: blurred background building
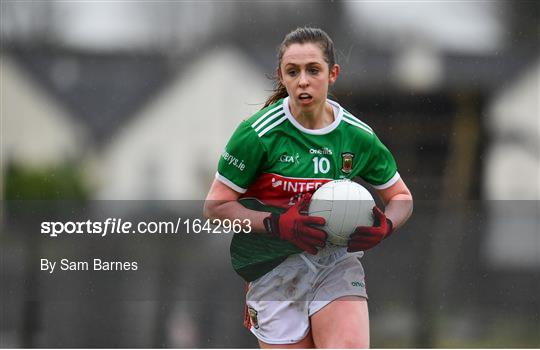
136	100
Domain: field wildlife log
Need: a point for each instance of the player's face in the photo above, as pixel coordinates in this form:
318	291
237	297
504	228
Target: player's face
306	76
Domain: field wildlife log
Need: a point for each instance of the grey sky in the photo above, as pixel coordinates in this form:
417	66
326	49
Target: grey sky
472	26
456	25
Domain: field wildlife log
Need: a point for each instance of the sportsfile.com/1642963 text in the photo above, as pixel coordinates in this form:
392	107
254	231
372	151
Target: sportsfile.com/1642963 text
120	226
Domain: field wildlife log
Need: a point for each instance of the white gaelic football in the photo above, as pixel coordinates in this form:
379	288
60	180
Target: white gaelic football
344	205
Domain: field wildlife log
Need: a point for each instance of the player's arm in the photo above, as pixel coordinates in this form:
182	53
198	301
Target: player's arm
293	225
221	203
238	167
398	203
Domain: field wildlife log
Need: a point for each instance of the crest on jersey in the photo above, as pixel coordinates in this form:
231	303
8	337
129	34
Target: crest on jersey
347	162
253	317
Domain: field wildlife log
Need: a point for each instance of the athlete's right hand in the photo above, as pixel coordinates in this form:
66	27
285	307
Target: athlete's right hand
295	226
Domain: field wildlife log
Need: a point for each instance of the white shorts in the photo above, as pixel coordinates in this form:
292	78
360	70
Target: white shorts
281	302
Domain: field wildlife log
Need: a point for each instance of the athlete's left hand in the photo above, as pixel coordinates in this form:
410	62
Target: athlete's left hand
367	237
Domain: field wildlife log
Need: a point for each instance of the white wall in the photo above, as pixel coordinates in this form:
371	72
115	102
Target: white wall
171	148
512	175
513	162
36	131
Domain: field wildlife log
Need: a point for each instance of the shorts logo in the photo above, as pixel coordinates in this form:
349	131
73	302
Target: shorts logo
347	162
253	317
357	284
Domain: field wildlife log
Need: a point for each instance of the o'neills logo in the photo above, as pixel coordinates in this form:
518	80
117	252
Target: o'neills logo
296	185
347	162
324	150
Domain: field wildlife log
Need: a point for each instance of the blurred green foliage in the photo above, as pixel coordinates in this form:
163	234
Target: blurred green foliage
52	183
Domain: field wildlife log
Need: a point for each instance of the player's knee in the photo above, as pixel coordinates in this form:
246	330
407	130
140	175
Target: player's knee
348	339
355	344
344	342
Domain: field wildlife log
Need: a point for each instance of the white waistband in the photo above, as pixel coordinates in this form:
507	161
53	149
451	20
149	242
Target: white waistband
313	261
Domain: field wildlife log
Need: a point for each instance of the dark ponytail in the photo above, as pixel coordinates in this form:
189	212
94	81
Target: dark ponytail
301	36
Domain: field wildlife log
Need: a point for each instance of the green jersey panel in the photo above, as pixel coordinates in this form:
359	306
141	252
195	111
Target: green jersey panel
272	158
242	158
380	166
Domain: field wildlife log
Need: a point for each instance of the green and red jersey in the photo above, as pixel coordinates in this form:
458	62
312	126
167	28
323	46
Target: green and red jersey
274	159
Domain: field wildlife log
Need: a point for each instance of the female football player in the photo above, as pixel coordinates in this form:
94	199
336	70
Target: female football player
303	292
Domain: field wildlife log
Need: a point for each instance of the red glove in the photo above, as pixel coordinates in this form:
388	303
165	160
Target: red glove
367	237
295	226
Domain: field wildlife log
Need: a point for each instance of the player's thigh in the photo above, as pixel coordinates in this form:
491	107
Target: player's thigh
306	343
343	323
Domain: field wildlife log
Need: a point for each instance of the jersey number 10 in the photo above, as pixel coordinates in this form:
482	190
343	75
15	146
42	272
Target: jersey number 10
321	165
